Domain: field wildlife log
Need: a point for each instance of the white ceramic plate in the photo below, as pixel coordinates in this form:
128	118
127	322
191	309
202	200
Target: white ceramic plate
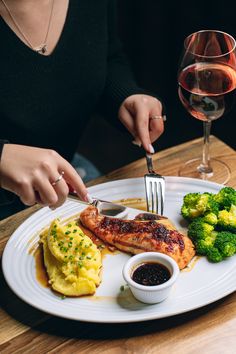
204	284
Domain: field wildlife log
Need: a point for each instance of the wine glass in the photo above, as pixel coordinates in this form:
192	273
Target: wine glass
207	83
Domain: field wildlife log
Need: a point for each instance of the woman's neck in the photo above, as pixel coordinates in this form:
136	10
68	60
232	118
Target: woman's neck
20	2
22	5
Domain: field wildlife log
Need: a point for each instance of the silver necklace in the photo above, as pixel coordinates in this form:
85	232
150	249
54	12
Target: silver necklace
41	49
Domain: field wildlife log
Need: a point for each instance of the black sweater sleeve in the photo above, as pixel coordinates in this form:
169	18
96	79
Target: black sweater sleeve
120	81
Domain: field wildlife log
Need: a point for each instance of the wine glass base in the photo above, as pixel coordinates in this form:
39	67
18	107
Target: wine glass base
192	169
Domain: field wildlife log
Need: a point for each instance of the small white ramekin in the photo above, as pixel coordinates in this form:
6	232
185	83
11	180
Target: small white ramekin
145	293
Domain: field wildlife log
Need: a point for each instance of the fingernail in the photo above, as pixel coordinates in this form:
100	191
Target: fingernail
137	142
151	149
89	199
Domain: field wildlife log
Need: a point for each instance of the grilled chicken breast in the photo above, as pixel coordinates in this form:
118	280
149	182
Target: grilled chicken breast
136	236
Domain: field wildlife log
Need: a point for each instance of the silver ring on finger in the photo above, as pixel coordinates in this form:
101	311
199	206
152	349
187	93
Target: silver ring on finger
163	117
59	178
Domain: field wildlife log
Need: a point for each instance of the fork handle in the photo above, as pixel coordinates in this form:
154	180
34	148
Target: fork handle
149	163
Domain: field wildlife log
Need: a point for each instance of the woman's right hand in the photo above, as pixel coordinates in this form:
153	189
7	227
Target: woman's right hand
30	172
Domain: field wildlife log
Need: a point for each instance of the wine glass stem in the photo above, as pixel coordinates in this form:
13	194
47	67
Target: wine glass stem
205	167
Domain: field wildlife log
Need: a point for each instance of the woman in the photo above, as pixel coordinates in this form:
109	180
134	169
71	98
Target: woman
60	61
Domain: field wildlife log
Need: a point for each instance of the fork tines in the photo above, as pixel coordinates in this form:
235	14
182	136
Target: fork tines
155	191
154	188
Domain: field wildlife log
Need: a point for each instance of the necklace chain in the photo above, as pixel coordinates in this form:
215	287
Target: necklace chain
42	49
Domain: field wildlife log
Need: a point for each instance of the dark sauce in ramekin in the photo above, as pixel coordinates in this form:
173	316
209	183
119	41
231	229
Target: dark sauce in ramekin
151	274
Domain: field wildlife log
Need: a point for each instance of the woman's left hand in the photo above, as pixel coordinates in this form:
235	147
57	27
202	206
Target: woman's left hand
137	113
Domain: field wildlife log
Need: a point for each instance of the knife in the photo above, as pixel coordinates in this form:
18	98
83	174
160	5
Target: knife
105	207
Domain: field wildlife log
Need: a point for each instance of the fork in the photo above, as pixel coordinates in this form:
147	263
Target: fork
154	188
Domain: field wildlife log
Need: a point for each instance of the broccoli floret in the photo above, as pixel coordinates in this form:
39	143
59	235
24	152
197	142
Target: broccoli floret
203	245
188	209
214	255
202	235
227	250
225	242
227	219
196	204
215	245
226	197
199	229
207	204
211	218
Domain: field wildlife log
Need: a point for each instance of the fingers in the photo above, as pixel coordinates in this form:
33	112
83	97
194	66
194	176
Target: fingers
26	192
127	119
52	191
37	178
136	112
62	191
47	194
156	127
148	129
55	189
136	120
142	128
42	192
74	180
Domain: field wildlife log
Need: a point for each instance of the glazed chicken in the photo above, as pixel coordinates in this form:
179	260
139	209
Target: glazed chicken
147	232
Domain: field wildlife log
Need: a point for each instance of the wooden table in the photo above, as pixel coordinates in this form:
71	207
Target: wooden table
210	329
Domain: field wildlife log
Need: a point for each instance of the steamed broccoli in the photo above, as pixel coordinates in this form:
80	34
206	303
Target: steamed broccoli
212	225
227	219
197	204
202	234
188	209
204	245
226	197
214	255
208	242
225	242
224	246
211	218
200	230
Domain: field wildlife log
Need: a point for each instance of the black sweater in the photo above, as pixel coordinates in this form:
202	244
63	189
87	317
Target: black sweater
46	100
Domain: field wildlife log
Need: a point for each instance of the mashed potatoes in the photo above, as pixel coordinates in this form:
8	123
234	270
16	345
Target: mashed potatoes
72	260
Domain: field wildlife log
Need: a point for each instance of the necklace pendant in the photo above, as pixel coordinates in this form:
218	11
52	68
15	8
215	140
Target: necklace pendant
42	49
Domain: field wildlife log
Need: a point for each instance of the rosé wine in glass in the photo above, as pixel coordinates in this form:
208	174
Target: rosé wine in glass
207	90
